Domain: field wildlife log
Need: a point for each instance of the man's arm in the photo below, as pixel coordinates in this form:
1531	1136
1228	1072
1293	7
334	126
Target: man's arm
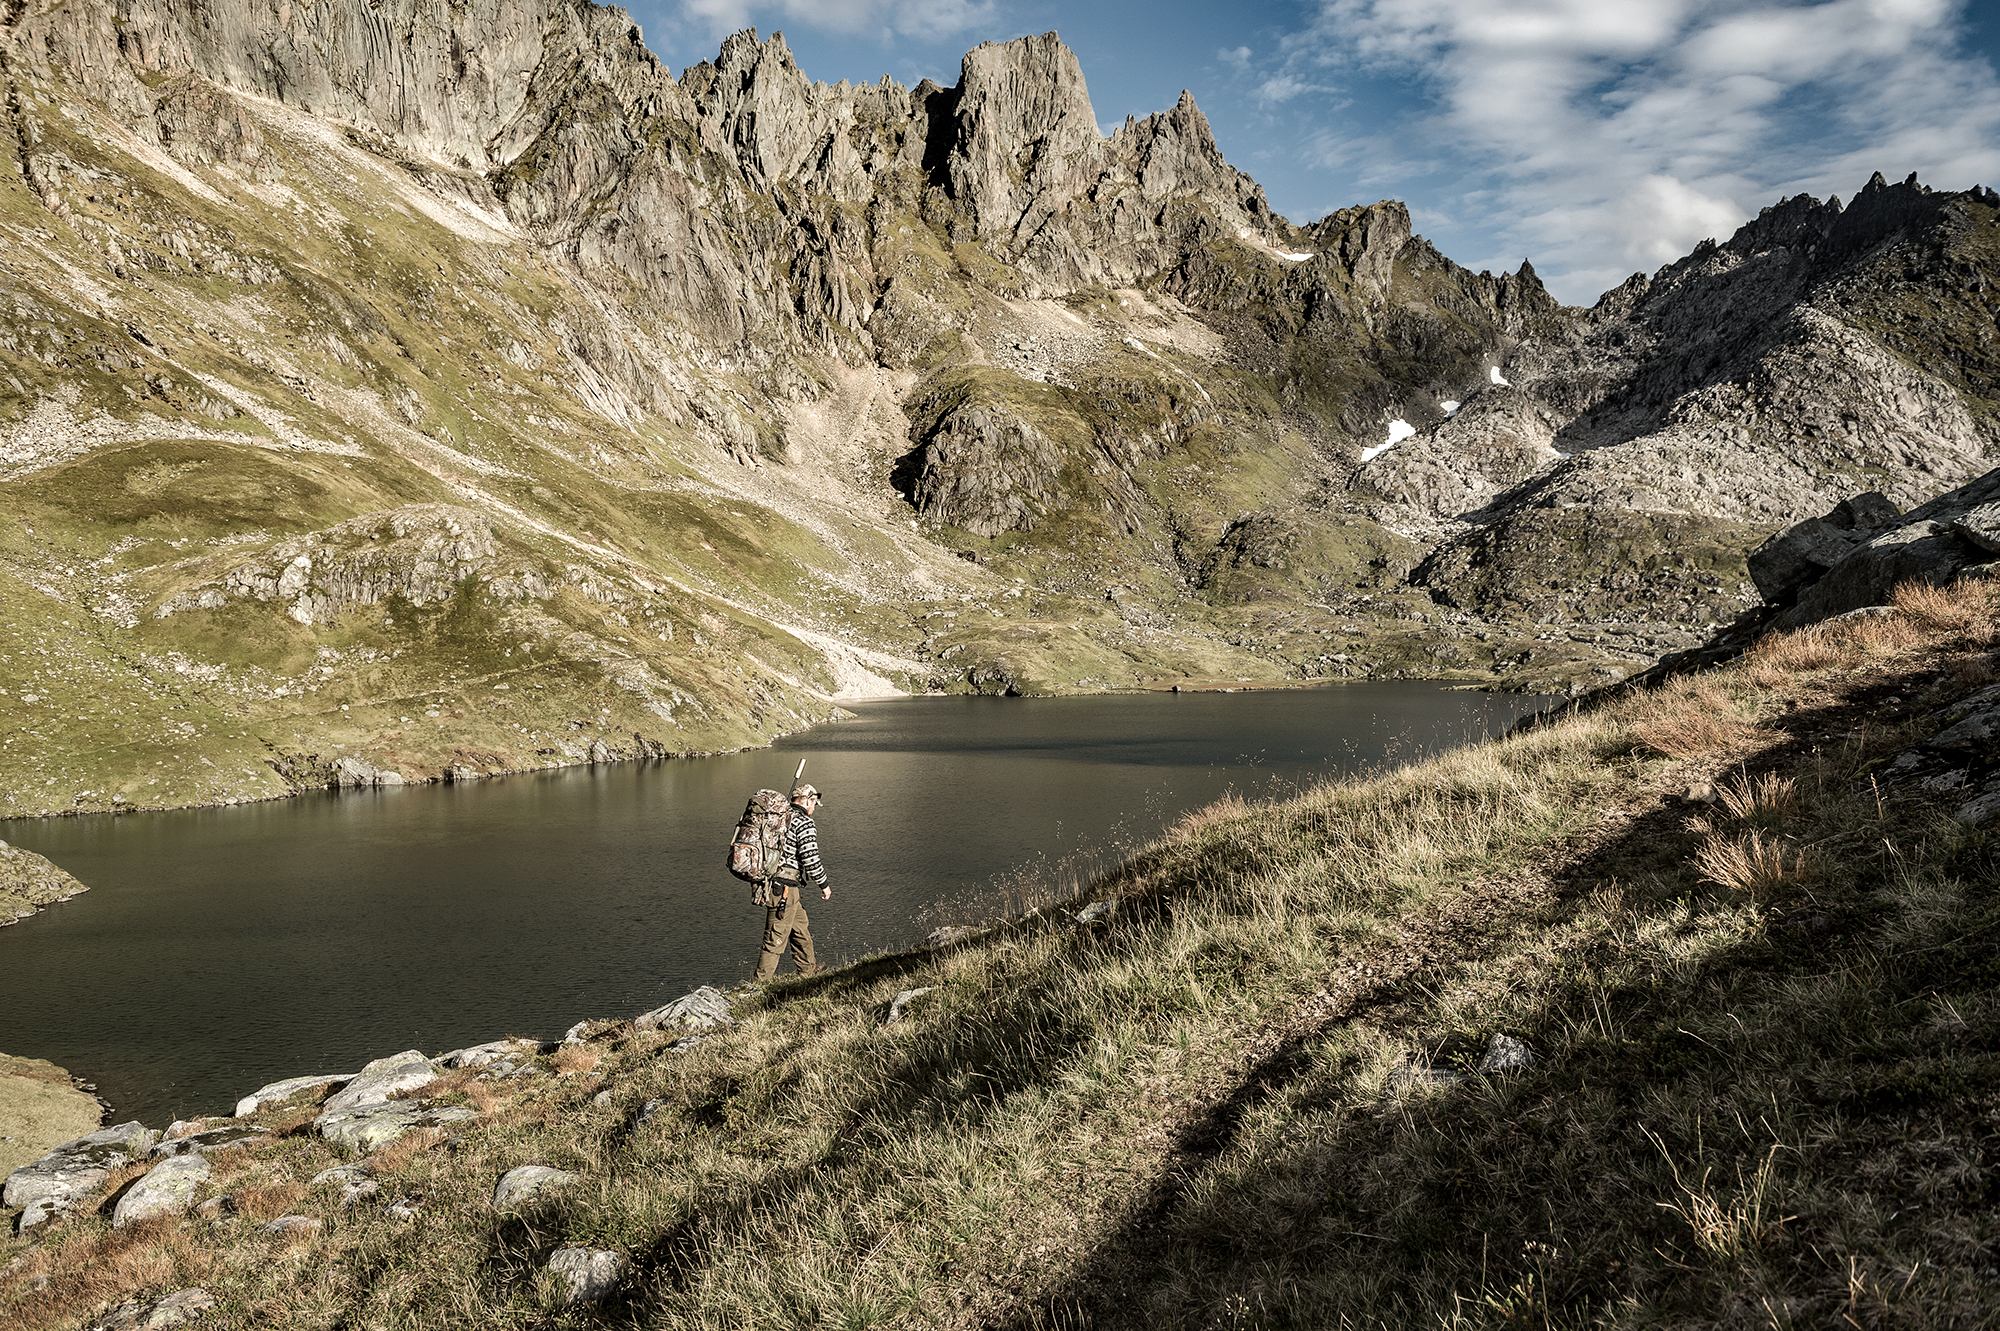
810	868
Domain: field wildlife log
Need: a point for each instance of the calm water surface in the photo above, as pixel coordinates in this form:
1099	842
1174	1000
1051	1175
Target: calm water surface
221	949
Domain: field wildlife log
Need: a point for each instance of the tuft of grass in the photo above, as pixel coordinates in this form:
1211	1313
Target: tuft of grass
1686	717
1764	801
1962	608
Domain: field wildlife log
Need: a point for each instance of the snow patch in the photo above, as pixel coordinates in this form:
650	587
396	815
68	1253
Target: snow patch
1295	258
1494	370
1399	430
1449	408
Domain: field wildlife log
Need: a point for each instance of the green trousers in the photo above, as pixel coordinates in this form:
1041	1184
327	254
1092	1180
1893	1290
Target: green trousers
793	931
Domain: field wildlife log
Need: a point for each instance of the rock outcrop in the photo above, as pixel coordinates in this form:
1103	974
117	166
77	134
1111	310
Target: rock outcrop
1932	543
29	882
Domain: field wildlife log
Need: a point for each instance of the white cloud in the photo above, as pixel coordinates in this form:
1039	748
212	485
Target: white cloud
1601	137
1236	58
924	19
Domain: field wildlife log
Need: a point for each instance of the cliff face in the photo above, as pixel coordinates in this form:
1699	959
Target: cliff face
364	359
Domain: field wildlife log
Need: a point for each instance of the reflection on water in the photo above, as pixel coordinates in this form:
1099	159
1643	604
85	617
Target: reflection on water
220	949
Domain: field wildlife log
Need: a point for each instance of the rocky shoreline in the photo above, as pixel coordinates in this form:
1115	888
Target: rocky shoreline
360	1114
29	882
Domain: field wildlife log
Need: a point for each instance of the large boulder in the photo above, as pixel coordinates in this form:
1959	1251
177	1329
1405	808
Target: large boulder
77	1166
1805	550
215	1139
382	1079
485	1055
280	1091
1917	552
706	1009
1933	543
167	1189
371	1127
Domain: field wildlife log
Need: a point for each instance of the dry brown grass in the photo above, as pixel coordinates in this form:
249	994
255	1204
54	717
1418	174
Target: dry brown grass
1962	609
577	1058
269	1199
1753	864
1763	801
390	1159
108	1265
1778	657
1687	716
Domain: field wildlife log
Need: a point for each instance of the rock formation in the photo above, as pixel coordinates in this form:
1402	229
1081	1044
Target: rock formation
29	882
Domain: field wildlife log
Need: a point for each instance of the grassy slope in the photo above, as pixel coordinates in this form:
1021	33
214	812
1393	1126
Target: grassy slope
1759	1102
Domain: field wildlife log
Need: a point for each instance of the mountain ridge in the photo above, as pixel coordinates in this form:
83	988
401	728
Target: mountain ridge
755	393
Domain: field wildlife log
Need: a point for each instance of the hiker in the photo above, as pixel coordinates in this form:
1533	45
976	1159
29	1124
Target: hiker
799	868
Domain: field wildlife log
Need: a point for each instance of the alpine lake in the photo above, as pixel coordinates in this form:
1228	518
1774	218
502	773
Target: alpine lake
222	949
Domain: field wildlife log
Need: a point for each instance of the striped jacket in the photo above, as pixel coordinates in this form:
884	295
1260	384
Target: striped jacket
801	857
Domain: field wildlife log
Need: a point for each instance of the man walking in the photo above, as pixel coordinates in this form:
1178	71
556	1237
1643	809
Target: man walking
799	868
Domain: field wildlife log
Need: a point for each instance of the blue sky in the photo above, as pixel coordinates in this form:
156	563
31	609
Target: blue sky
1595	137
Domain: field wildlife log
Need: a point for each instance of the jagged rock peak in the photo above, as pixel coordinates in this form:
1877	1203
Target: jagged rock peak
1027	140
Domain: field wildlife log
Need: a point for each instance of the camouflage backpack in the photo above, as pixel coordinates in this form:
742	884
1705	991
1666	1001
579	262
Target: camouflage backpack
757	851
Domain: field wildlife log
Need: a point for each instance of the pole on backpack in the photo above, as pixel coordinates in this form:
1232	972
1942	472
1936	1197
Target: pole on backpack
801	772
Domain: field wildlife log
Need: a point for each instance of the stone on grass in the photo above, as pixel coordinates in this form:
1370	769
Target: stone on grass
341	1174
518	1185
646	1112
899	1006
1095	911
483	1055
216	1207
706	1009
1420	1077
1979	812
167	1189
1504	1054
292	1224
949	934
406	1208
279	1091
41	1211
382	1079
590	1274
215	1139
77	1166
372	1127
140	1315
